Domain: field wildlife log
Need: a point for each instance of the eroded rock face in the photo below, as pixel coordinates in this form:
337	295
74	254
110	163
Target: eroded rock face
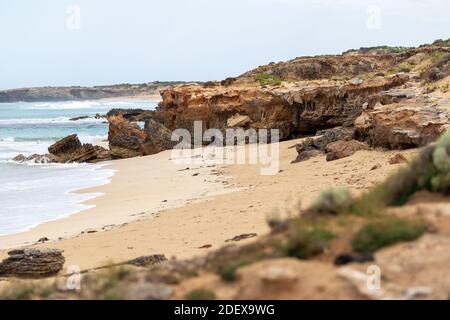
133	115
32	263
125	138
399	127
291	108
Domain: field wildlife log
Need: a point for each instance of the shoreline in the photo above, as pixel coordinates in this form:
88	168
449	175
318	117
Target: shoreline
96	218
153	206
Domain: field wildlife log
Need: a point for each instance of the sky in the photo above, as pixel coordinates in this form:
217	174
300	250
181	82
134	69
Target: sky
93	42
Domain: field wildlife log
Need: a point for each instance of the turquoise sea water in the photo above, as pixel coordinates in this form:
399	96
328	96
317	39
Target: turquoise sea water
31	194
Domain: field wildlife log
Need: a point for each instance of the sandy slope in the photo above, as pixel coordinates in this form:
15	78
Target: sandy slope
210	208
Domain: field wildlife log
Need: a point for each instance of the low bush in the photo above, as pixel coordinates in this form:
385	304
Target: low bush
200	294
304	242
376	235
332	201
266	79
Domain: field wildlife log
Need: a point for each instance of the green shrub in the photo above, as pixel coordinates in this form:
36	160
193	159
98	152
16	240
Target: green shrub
428	171
227	272
266	79
200	294
376	235
25	294
333	201
304	242
112	277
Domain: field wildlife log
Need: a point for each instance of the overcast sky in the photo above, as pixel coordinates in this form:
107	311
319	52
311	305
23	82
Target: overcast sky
89	42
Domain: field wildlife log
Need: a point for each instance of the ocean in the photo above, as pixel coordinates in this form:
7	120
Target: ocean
31	194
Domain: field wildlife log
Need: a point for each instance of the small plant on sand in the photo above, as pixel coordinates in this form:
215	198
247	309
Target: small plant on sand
200	294
392	230
445	87
266	79
113	276
304	242
227	272
332	201
25	293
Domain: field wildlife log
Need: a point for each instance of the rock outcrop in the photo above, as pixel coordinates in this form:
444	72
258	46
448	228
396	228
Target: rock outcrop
67	150
70	149
126	139
341	149
293	108
317	145
158	137
33	263
399	127
133	115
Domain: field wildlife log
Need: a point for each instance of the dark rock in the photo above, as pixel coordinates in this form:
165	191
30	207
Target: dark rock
70	149
341	149
32	263
306	155
146	261
398	158
36	158
311	147
133	115
375	167
242	237
347	258
64	146
79	118
43	239
158	137
126	139
20	158
228	81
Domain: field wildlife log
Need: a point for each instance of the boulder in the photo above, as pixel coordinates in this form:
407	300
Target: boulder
341	149
35	158
399	127
126	139
132	115
314	146
32	263
79	118
398	158
64	146
70	149
158	137
238	121
146	261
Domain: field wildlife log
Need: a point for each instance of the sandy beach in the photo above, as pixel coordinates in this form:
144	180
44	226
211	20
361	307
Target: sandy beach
153	205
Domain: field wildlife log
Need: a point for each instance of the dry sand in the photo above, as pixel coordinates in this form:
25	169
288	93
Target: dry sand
133	219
